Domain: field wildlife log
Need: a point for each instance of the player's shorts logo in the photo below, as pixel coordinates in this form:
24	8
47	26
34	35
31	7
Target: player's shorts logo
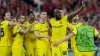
64	52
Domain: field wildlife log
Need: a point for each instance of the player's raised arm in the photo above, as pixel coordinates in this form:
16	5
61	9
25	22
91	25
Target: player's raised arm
71	15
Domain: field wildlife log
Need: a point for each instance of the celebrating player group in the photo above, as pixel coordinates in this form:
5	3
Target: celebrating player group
26	36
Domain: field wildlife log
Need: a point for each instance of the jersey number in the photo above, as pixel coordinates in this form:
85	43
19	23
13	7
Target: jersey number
2	32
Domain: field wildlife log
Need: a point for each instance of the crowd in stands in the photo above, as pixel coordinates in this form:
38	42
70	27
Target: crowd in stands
17	7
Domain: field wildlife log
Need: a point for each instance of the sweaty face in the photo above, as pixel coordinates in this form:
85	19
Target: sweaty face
8	16
58	14
43	15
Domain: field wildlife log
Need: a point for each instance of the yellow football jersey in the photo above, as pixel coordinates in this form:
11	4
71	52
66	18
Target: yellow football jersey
30	37
73	42
6	39
58	28
17	47
59	31
42	29
18	39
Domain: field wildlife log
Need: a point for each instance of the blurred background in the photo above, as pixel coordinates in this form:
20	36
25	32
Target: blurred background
18	7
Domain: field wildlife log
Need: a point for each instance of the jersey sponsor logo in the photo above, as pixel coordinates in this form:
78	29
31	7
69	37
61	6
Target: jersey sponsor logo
57	26
44	31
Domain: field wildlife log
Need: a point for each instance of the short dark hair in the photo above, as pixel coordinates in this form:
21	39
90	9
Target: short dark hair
56	10
23	15
29	13
85	18
4	14
43	11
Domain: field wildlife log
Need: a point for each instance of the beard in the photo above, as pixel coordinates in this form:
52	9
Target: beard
58	17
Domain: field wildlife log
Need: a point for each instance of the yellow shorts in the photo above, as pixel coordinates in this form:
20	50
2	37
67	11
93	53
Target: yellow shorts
18	50
61	50
78	53
43	52
30	49
5	51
